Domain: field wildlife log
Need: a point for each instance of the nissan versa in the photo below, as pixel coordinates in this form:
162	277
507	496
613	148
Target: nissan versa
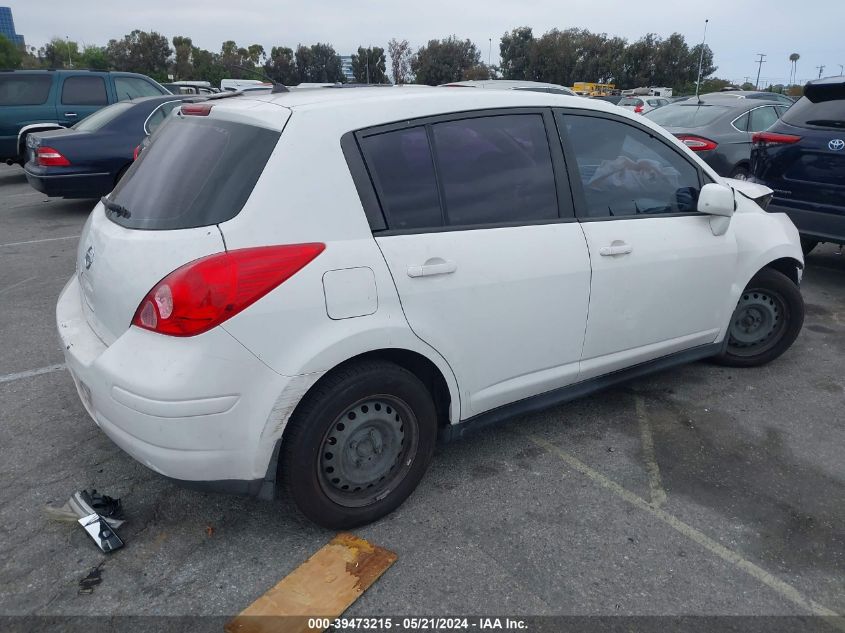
299	292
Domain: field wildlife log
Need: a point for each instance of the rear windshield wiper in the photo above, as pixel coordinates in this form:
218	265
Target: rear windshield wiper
118	209
826	123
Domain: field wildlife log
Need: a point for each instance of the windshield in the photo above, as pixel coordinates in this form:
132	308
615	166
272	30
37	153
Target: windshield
196	171
101	118
687	115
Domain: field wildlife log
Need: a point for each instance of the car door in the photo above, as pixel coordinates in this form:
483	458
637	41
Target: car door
491	267
659	275
79	96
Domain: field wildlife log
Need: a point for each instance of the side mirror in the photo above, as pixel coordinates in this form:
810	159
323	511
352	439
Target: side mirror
715	199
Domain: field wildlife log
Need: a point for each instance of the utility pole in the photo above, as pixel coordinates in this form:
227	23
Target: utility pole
701	60
759	68
489	50
69	60
821	69
841	69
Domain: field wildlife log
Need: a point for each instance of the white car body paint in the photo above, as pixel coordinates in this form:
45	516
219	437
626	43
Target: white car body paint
527	309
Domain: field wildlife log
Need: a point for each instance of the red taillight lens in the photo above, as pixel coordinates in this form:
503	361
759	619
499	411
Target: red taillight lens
136	152
196	109
206	292
772	138
697	143
49	157
638	109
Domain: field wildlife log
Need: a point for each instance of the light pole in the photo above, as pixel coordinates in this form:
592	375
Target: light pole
489	50
69	60
701	60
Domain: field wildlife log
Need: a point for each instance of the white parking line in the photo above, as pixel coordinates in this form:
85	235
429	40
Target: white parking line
783	588
46	239
655	485
13	286
31	372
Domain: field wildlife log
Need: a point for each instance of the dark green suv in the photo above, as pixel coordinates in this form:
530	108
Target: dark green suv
38	100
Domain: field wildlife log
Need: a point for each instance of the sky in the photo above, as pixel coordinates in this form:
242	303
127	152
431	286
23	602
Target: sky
737	30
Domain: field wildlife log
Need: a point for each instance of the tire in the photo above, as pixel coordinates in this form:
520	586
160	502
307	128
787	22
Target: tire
740	173
808	244
358	444
766	321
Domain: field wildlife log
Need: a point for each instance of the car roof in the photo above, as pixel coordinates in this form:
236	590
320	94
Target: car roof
738	94
504	84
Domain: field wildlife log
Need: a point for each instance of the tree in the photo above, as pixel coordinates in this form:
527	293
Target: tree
400	60
182	65
207	67
94	57
368	66
58	53
318	63
10	56
515	52
443	61
141	52
477	73
281	66
794	57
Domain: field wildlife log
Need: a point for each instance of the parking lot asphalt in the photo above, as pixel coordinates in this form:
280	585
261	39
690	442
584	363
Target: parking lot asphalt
701	490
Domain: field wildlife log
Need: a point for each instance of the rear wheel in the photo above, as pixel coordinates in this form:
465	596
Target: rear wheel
740	173
358	445
766	321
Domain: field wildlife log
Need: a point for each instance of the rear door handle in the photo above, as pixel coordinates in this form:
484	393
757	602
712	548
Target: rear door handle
617	248
433	266
70	115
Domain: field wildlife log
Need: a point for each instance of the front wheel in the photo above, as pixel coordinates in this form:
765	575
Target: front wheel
358	444
766	321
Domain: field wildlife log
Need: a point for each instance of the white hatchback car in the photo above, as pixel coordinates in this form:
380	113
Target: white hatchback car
306	289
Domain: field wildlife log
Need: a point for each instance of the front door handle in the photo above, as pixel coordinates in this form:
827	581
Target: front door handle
616	248
433	266
70	115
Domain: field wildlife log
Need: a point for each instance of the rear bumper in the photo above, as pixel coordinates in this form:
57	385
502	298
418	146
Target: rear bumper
73	185
818	225
198	409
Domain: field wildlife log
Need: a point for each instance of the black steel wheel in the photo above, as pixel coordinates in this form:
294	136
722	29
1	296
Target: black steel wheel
358	444
766	321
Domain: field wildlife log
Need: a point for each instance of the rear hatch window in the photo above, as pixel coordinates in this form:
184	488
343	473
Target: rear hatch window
822	106
687	116
21	90
197	171
630	102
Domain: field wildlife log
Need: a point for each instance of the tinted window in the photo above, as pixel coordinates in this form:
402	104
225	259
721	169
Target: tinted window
741	123
626	171
159	115
16	90
134	87
495	169
762	119
628	101
824	114
197	172
84	91
687	115
401	166
102	117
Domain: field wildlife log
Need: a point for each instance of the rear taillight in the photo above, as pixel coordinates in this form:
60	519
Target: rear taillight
196	109
772	138
50	157
638	109
136	152
697	143
206	292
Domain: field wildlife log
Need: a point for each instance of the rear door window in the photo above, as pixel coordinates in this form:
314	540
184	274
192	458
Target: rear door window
134	87
627	172
402	168
762	118
495	170
201	172
84	91
20	90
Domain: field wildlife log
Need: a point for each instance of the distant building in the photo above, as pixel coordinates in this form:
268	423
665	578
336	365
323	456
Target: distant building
7	26
346	67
